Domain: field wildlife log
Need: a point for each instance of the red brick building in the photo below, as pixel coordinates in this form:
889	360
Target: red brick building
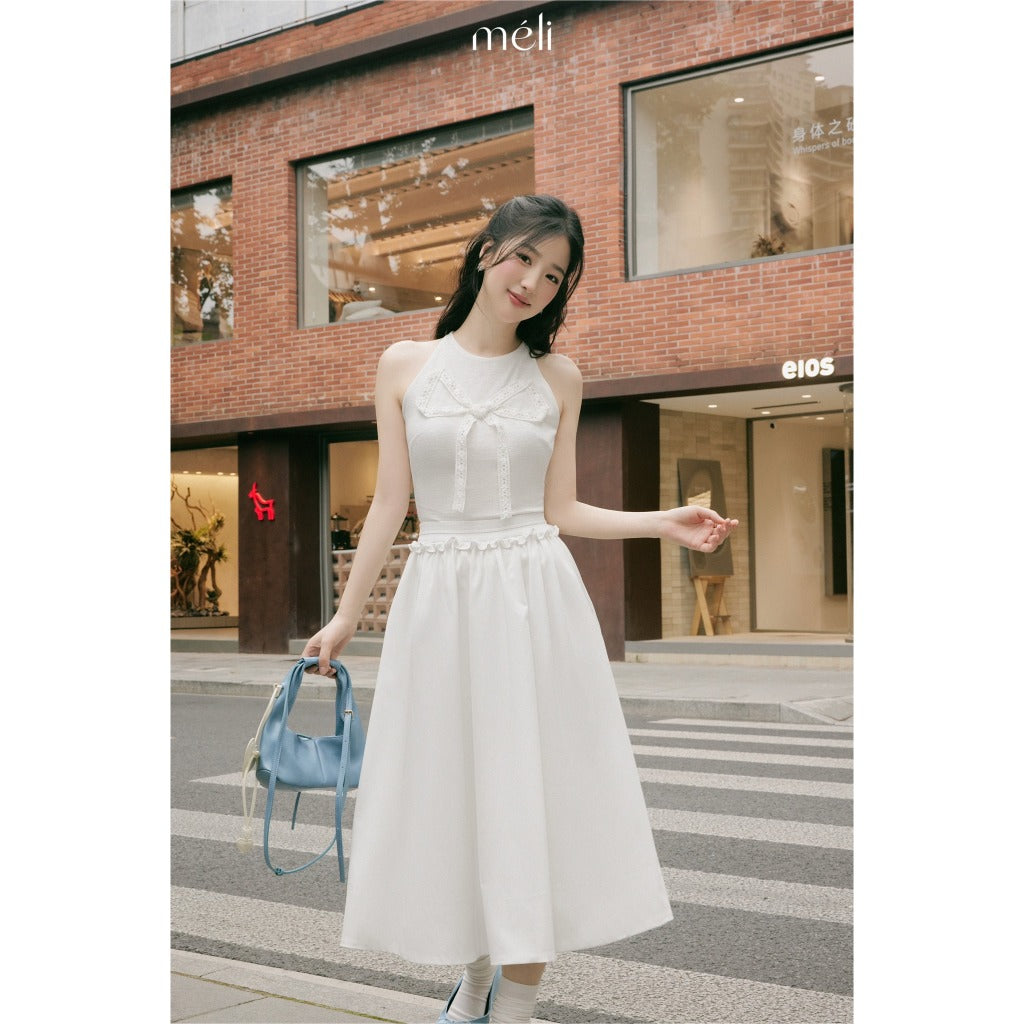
323	178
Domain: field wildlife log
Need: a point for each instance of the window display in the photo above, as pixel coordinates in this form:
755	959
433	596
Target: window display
752	161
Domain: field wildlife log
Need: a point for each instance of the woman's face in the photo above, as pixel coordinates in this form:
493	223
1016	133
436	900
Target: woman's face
522	284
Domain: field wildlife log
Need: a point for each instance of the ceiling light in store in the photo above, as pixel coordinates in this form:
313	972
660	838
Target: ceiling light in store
371	288
819	78
766	412
805	396
819	417
738	99
437	298
220	472
712	406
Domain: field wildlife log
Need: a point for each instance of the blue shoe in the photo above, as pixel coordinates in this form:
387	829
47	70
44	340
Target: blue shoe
445	1019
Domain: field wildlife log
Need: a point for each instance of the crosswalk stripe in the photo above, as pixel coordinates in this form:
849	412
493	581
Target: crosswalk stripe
704	754
231	779
760	895
762	830
742	737
757	726
662	776
750	783
680	753
235	779
628	988
313	838
226	828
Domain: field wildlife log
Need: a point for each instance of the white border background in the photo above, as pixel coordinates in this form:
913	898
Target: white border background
938	372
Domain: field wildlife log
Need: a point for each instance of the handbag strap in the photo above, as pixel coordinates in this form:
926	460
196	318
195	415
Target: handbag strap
249	762
342	788
343	710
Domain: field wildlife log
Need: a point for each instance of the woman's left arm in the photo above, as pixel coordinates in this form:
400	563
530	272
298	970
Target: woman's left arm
692	526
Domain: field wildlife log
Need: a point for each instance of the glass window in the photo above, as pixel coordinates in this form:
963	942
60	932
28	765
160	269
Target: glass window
752	161
382	228
202	282
204	535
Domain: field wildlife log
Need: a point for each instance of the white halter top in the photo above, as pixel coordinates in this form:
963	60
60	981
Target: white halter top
480	432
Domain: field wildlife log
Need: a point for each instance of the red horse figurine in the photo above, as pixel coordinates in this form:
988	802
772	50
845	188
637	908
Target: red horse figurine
261	504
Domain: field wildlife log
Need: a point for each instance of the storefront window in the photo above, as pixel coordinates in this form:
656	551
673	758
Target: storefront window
744	163
204	537
202	281
382	228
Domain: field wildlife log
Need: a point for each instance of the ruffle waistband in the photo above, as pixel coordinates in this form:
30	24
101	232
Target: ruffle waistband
437	541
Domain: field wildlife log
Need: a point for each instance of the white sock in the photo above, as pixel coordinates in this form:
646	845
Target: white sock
513	1003
471	999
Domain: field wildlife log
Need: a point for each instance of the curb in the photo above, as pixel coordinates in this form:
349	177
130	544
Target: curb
830	710
222	688
825	711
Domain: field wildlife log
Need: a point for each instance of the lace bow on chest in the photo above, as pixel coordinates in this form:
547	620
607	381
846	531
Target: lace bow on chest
517	400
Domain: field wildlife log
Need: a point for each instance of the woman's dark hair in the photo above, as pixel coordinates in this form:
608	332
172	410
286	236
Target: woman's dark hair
524	220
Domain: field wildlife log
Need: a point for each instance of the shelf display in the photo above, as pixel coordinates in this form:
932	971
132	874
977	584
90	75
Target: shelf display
375	613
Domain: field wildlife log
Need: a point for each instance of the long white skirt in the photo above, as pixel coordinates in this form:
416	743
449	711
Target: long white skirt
499	808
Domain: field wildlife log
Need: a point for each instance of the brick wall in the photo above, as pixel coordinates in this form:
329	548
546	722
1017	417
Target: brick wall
710	320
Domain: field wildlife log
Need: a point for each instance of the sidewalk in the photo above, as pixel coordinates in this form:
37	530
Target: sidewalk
739	688
218	991
212	989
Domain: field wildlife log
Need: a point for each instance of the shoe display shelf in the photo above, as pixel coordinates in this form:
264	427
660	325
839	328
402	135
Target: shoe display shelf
375	613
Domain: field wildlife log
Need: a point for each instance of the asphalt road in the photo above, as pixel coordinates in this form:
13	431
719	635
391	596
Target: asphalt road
753	827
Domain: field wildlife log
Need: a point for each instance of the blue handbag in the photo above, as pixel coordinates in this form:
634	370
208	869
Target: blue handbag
283	759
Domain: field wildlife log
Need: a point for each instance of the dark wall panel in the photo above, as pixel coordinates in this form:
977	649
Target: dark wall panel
278	559
618	467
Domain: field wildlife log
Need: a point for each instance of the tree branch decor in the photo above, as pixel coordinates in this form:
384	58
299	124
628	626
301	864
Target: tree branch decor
195	554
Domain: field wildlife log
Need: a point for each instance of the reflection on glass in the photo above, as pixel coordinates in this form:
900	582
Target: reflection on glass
749	162
383	228
202	282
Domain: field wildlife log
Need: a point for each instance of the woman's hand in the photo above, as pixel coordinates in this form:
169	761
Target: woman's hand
328	644
701	529
695	527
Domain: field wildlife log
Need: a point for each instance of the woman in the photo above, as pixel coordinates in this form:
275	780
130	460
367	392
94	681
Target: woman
500	818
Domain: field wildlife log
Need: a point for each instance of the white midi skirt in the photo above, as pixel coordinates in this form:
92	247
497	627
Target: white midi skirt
499	808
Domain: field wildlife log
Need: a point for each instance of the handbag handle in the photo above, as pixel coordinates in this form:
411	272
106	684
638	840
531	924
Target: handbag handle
343	711
342	680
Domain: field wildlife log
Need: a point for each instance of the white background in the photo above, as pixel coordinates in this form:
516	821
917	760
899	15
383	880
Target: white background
938	339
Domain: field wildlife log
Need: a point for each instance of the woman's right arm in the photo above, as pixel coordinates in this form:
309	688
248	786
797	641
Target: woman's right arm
387	510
